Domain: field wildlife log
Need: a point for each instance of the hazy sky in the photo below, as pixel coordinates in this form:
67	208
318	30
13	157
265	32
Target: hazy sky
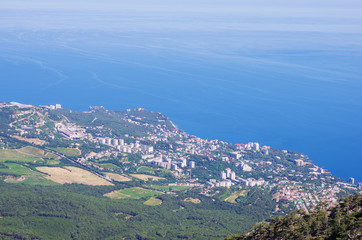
320	16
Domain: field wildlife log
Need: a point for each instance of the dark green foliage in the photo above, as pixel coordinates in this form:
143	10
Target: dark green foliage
260	199
13	143
115	120
343	221
3	166
81	212
5	119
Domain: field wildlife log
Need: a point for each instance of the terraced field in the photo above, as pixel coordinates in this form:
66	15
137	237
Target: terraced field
17	169
146	177
26	154
16	155
72	175
20	174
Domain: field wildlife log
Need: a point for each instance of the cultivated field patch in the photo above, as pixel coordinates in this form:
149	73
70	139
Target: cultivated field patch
146	177
134	192
31	151
35	141
109	165
50	155
168	187
15	156
31	180
145	170
72	175
51	162
21	174
118	177
70	152
13	168
235	195
153	202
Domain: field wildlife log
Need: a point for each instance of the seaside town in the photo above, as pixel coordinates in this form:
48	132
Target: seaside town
139	138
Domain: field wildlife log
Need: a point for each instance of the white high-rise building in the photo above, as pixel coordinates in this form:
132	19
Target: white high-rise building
256	146
232	175
121	142
228	172
192	164
245	167
223	175
115	142
147	148
183	162
108	141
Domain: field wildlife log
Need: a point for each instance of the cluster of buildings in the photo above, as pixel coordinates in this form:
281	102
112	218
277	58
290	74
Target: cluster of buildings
126	148
248	171
251	182
228	174
214	183
305	197
245	167
73	133
52	107
166	162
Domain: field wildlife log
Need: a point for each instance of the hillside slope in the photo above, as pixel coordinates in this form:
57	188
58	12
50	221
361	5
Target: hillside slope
343	221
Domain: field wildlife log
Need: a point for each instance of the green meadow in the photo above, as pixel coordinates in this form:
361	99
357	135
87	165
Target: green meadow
134	193
15	155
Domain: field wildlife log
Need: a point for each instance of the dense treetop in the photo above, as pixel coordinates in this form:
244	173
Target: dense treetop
343	221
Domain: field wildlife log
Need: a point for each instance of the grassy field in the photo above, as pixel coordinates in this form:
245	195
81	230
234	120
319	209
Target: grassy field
26	175
50	155
153	202
31	180
16	155
118	178
35	141
70	152
145	177
27	154
32	151
72	175
168	188
225	195
235	195
146	170
52	162
134	192
108	165
17	169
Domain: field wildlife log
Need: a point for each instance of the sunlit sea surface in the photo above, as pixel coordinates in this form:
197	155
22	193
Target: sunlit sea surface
285	76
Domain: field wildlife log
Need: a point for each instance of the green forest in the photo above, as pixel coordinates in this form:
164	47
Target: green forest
73	211
343	221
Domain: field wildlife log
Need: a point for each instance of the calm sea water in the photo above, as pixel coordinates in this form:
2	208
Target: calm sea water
285	76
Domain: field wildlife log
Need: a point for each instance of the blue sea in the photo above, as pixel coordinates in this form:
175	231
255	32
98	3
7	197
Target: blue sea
286	74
